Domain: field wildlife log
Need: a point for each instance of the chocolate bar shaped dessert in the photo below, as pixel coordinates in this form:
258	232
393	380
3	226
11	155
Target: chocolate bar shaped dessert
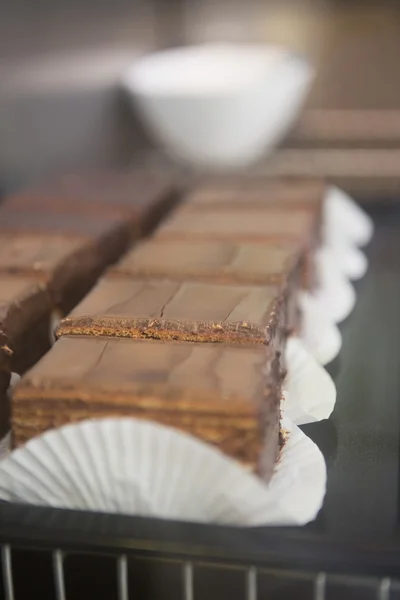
212	262
50	259
186	311
258	225
68	248
266	225
141	198
226	395
217	262
273	228
260	211
245	192
62	252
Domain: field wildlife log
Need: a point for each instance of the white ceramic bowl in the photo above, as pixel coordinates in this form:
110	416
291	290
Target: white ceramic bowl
219	106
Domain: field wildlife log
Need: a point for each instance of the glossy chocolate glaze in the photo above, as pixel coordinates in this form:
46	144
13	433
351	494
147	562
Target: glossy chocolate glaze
190	311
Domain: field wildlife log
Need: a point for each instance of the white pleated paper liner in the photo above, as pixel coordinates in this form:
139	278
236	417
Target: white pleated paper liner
335	294
343	216
309	391
136	467
319	334
351	261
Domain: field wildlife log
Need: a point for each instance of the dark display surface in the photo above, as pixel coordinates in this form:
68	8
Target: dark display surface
361	439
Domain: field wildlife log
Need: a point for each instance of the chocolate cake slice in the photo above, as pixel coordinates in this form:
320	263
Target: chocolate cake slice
68	266
226	395
61	235
252	192
62	251
217	262
66	222
258	225
141	197
186	311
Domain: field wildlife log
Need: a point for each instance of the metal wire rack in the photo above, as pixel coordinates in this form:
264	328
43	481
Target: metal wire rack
257	583
67	555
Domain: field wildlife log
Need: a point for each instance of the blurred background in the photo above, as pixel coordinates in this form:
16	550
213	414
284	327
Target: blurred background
61	105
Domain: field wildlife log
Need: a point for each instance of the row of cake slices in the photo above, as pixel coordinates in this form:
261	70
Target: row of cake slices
189	328
55	241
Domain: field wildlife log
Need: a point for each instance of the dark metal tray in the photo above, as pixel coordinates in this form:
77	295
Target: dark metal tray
352	549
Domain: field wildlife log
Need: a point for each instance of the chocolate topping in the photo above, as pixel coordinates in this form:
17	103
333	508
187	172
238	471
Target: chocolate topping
188	311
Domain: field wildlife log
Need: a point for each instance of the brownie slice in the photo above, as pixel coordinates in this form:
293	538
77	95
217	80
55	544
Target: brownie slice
228	396
66	232
265	225
187	311
141	197
53	250
251	192
258	225
40	220
68	252
67	265
217	262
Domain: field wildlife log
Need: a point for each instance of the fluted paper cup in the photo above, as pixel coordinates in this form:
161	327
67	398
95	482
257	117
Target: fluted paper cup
343	216
137	467
309	391
335	294
319	334
351	261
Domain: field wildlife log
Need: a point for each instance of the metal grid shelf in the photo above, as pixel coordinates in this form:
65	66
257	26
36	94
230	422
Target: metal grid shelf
285	583
165	559
313	586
